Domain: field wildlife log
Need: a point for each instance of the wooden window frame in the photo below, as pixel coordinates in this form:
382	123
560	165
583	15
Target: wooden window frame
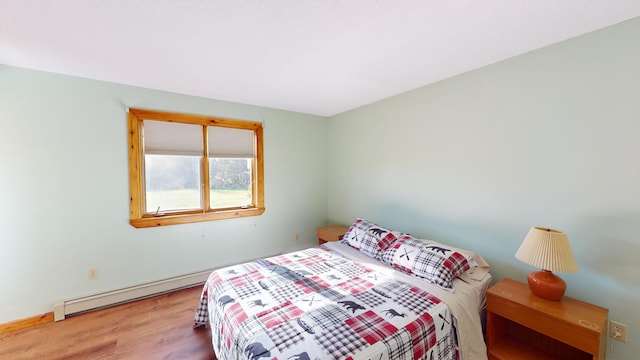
139	218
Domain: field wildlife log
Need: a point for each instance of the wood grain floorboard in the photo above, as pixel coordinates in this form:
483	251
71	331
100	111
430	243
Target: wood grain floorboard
160	327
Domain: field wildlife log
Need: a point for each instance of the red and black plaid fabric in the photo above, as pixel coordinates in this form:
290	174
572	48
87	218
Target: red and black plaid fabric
355	285
312	284
312	260
432	261
279	260
233	317
371	327
275	309
369	238
248	278
278	315
423	335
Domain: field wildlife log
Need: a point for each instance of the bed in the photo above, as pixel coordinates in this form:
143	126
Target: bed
377	294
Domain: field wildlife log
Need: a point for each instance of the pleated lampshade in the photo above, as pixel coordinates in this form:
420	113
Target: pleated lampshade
547	249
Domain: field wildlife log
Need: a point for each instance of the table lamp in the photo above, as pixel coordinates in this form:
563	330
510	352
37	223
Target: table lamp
548	250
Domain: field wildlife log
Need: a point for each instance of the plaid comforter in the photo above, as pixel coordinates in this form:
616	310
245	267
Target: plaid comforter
317	304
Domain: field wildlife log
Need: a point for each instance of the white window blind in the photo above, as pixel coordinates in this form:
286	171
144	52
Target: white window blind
166	138
161	137
230	143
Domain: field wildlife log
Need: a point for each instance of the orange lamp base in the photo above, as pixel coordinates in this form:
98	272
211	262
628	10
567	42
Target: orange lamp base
546	285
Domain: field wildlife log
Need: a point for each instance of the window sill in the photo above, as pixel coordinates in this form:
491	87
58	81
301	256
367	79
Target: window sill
165	220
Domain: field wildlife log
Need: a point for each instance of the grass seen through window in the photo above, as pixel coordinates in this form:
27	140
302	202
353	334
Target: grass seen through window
184	199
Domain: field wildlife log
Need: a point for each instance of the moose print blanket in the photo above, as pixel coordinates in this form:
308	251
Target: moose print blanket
317	304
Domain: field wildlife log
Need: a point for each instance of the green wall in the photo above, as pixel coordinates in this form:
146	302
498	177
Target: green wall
550	138
64	192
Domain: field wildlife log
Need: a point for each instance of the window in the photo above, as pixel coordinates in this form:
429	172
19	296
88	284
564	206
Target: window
190	168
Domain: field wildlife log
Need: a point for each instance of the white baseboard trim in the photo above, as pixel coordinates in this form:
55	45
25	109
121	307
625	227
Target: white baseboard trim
86	303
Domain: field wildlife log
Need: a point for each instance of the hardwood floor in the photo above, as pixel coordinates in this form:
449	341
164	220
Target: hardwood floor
160	327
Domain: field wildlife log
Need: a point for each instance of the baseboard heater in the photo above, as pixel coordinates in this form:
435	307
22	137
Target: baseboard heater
78	305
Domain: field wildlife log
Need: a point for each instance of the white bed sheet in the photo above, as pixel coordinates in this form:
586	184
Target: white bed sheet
465	303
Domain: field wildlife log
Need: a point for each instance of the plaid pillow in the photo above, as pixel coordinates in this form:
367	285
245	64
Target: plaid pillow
435	262
371	239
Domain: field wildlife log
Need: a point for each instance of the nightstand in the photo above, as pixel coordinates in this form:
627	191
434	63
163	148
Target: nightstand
331	233
521	325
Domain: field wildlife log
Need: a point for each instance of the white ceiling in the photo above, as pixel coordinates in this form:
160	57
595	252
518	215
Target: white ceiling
319	57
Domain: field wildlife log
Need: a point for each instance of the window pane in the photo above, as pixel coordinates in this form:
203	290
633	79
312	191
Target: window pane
230	182
172	182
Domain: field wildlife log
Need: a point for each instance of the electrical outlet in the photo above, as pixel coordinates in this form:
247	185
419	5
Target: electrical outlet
296	237
618	331
92	274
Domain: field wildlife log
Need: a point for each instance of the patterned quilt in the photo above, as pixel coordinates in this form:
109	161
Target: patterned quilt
317	304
